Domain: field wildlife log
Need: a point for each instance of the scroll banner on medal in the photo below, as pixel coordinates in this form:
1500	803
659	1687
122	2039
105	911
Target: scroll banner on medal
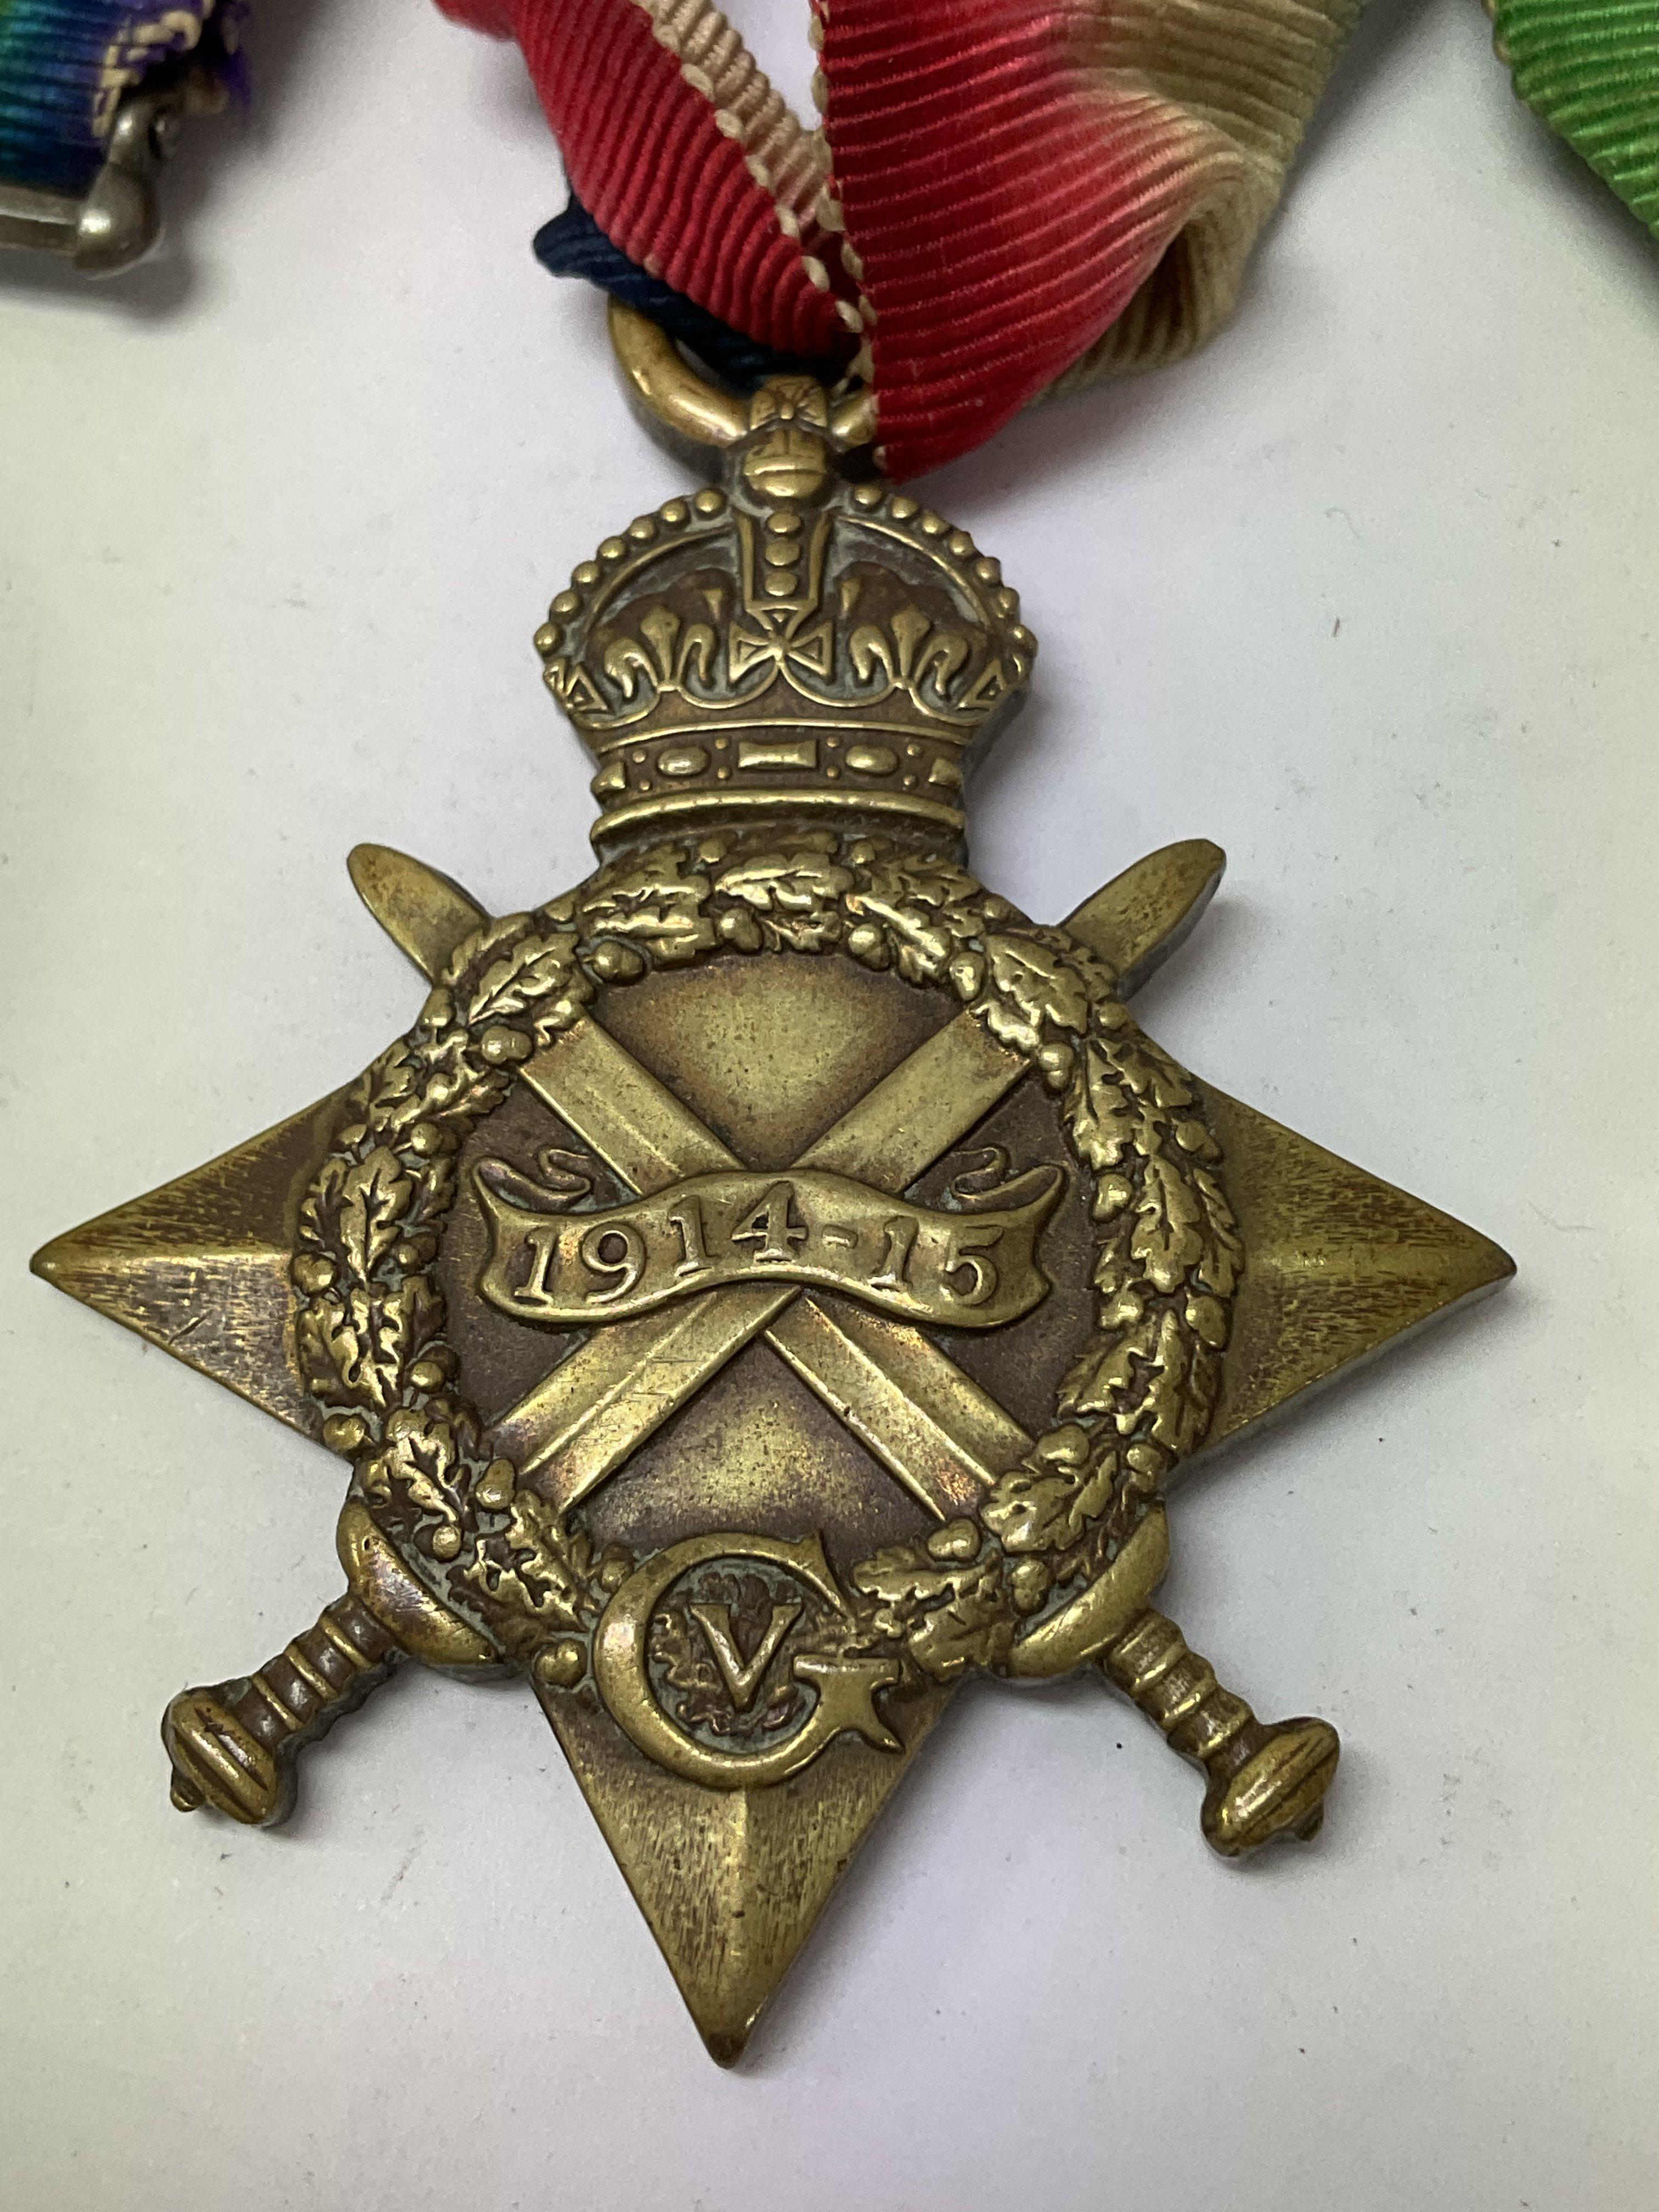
973	1268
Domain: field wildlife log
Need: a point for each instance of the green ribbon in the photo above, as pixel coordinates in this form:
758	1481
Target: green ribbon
1590	69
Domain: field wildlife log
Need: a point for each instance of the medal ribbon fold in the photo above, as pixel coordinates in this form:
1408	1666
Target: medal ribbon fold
1005	197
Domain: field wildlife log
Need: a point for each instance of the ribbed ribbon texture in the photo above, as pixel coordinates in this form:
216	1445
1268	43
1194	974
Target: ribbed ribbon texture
1004	196
1590	68
64	65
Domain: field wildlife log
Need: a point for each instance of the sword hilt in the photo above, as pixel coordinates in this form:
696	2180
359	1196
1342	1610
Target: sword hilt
1267	1779
234	1745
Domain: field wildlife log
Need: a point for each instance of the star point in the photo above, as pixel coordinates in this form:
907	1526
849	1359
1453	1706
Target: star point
1340	1266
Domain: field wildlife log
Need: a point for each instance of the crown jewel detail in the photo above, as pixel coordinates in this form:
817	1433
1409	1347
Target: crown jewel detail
793	638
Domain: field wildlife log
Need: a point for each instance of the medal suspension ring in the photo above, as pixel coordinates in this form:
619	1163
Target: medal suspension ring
1138	1398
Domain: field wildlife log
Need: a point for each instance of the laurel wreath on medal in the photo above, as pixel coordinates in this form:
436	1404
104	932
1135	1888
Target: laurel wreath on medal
1138	1398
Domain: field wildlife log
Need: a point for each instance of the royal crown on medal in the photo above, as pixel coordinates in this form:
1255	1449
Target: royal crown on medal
792	639
775	1280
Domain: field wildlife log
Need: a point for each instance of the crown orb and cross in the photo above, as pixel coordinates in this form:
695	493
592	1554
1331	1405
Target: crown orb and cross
776	1281
788	638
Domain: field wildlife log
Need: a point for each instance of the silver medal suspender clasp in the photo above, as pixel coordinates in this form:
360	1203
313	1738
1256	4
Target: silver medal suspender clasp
118	218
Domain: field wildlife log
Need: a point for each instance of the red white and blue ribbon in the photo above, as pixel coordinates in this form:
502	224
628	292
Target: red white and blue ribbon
1004	196
1002	199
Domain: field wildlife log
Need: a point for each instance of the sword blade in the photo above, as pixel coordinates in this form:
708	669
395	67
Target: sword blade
1138	920
427	915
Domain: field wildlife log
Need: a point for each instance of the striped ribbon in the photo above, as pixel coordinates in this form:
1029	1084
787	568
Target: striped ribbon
1590	68
1004	198
573	245
64	66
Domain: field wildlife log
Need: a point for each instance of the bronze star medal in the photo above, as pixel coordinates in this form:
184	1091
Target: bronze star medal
775	1280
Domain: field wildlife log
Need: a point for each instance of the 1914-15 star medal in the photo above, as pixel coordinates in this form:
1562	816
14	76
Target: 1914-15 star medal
775	1280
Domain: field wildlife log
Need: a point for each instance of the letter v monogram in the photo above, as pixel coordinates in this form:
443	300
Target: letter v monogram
743	1678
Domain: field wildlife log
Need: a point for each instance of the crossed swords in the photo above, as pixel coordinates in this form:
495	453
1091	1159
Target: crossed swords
927	1422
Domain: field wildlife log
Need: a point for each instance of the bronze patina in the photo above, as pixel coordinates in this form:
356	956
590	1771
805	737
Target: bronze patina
776	1280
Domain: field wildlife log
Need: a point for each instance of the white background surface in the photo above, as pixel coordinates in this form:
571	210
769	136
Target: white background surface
1367	593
